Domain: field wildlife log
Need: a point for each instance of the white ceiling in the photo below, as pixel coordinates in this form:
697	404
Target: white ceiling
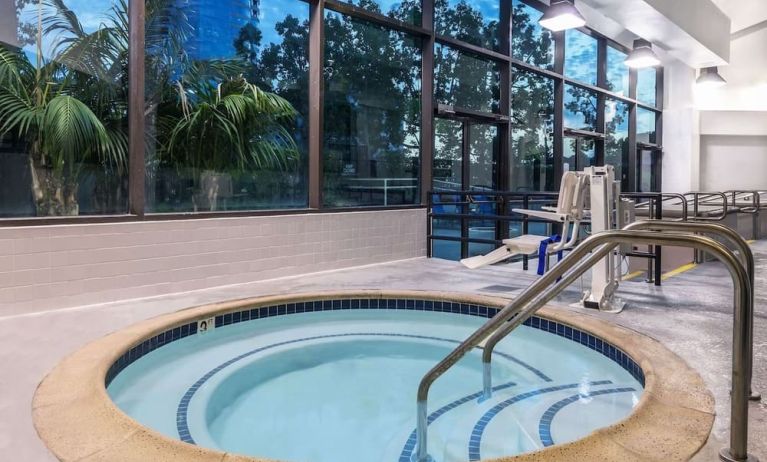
743	13
696	32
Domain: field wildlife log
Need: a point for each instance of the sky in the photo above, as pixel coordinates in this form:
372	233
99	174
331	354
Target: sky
92	13
617	71
646	85
581	57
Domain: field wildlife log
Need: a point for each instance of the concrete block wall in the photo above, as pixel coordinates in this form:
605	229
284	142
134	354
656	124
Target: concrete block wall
52	267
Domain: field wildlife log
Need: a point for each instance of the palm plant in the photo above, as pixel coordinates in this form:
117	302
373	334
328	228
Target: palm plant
67	110
217	125
70	109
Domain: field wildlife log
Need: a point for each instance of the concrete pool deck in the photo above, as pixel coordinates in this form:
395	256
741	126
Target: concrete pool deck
691	314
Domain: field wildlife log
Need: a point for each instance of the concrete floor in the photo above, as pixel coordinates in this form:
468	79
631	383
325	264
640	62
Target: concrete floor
691	314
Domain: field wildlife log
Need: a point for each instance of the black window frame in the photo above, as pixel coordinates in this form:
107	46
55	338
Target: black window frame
425	31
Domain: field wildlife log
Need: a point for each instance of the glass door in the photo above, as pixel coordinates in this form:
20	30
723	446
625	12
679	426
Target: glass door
447	169
579	153
483	151
465	155
648	170
466	152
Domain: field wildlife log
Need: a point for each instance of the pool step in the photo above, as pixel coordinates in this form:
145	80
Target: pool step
516	419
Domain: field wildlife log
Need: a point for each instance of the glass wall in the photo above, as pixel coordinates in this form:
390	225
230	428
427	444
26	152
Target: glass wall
471	21
581	56
580	108
646	126
532	135
617	141
372	114
530	43
465	81
646	80
617	71
241	112
408	11
63	108
226	118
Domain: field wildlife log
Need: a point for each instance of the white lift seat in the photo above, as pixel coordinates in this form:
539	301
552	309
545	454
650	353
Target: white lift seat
569	211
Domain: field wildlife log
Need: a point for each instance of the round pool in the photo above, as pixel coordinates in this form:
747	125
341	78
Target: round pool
335	381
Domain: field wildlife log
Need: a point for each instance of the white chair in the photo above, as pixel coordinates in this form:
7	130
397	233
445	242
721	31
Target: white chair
569	212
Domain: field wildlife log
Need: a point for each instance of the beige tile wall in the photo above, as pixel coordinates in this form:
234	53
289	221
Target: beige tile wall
50	267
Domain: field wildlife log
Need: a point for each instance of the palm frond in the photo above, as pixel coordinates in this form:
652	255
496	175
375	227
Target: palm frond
59	19
71	130
18	114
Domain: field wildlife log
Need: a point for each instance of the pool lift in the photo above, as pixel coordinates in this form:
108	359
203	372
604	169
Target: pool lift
598	187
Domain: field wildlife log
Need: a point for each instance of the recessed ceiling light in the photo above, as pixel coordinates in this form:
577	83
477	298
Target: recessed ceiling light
561	15
709	77
642	55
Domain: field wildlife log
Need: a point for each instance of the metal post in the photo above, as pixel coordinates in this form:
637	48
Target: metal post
316	101
429	218
136	104
525	230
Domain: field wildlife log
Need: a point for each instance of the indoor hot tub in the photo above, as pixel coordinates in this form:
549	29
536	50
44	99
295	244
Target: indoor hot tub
333	378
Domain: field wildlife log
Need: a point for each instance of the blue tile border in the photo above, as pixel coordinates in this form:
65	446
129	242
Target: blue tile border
182	422
444	306
544	426
475	441
147	346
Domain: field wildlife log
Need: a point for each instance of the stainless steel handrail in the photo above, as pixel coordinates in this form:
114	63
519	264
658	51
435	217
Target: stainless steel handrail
602	244
755	200
740	244
664	198
744	251
707	200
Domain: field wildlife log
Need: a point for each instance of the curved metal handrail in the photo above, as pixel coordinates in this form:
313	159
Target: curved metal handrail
740	244
756	200
683	202
706	199
602	244
664	197
744	251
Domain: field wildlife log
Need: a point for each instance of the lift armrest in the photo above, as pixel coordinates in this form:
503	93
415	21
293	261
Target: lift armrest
551	216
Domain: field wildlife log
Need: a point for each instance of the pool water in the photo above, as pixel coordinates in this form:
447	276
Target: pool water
340	386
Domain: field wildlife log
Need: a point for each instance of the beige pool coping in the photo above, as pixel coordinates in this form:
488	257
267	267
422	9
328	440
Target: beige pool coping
77	420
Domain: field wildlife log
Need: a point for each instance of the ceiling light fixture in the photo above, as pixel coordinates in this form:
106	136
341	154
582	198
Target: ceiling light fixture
642	55
709	77
561	15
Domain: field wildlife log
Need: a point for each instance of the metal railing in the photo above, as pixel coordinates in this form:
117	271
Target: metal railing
384	186
744	252
722	231
466	207
706	198
654	203
755	202
581	259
